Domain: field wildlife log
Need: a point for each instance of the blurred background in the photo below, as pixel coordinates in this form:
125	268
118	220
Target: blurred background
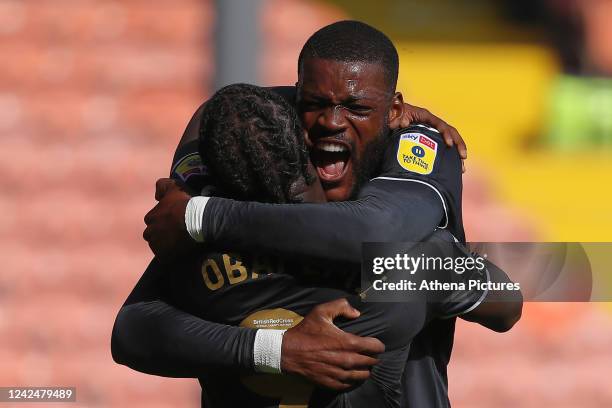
94	96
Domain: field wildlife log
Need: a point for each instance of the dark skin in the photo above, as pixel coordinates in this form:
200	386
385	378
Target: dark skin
313	193
325	355
346	104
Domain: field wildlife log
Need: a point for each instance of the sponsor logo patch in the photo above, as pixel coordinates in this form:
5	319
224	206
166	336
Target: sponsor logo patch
417	153
291	391
279	319
188	166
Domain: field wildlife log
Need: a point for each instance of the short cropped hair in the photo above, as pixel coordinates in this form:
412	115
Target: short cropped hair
353	41
252	142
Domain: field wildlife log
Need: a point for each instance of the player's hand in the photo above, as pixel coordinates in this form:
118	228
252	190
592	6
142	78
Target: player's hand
414	114
166	232
322	353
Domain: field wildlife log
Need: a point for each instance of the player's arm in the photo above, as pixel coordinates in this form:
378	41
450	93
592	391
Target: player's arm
386	210
497	310
154	337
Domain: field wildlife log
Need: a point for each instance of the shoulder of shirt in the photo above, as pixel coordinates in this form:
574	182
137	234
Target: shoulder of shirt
287	92
420	128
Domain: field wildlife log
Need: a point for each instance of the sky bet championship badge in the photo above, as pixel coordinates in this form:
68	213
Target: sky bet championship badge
416	153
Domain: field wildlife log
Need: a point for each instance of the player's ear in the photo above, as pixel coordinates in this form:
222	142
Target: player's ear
396	111
302	192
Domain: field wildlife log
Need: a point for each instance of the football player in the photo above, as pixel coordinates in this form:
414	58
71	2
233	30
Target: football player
348	104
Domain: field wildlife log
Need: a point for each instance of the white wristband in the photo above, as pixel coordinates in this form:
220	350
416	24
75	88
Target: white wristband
267	350
193	217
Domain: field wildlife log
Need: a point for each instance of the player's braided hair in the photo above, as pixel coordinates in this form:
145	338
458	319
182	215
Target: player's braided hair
353	41
252	141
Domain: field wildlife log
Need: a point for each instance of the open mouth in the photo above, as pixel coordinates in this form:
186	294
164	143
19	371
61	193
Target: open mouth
331	159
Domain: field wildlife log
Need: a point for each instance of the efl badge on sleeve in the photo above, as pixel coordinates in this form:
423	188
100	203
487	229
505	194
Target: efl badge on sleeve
417	153
188	166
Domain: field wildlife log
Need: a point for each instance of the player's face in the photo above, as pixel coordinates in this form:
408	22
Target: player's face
345	108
